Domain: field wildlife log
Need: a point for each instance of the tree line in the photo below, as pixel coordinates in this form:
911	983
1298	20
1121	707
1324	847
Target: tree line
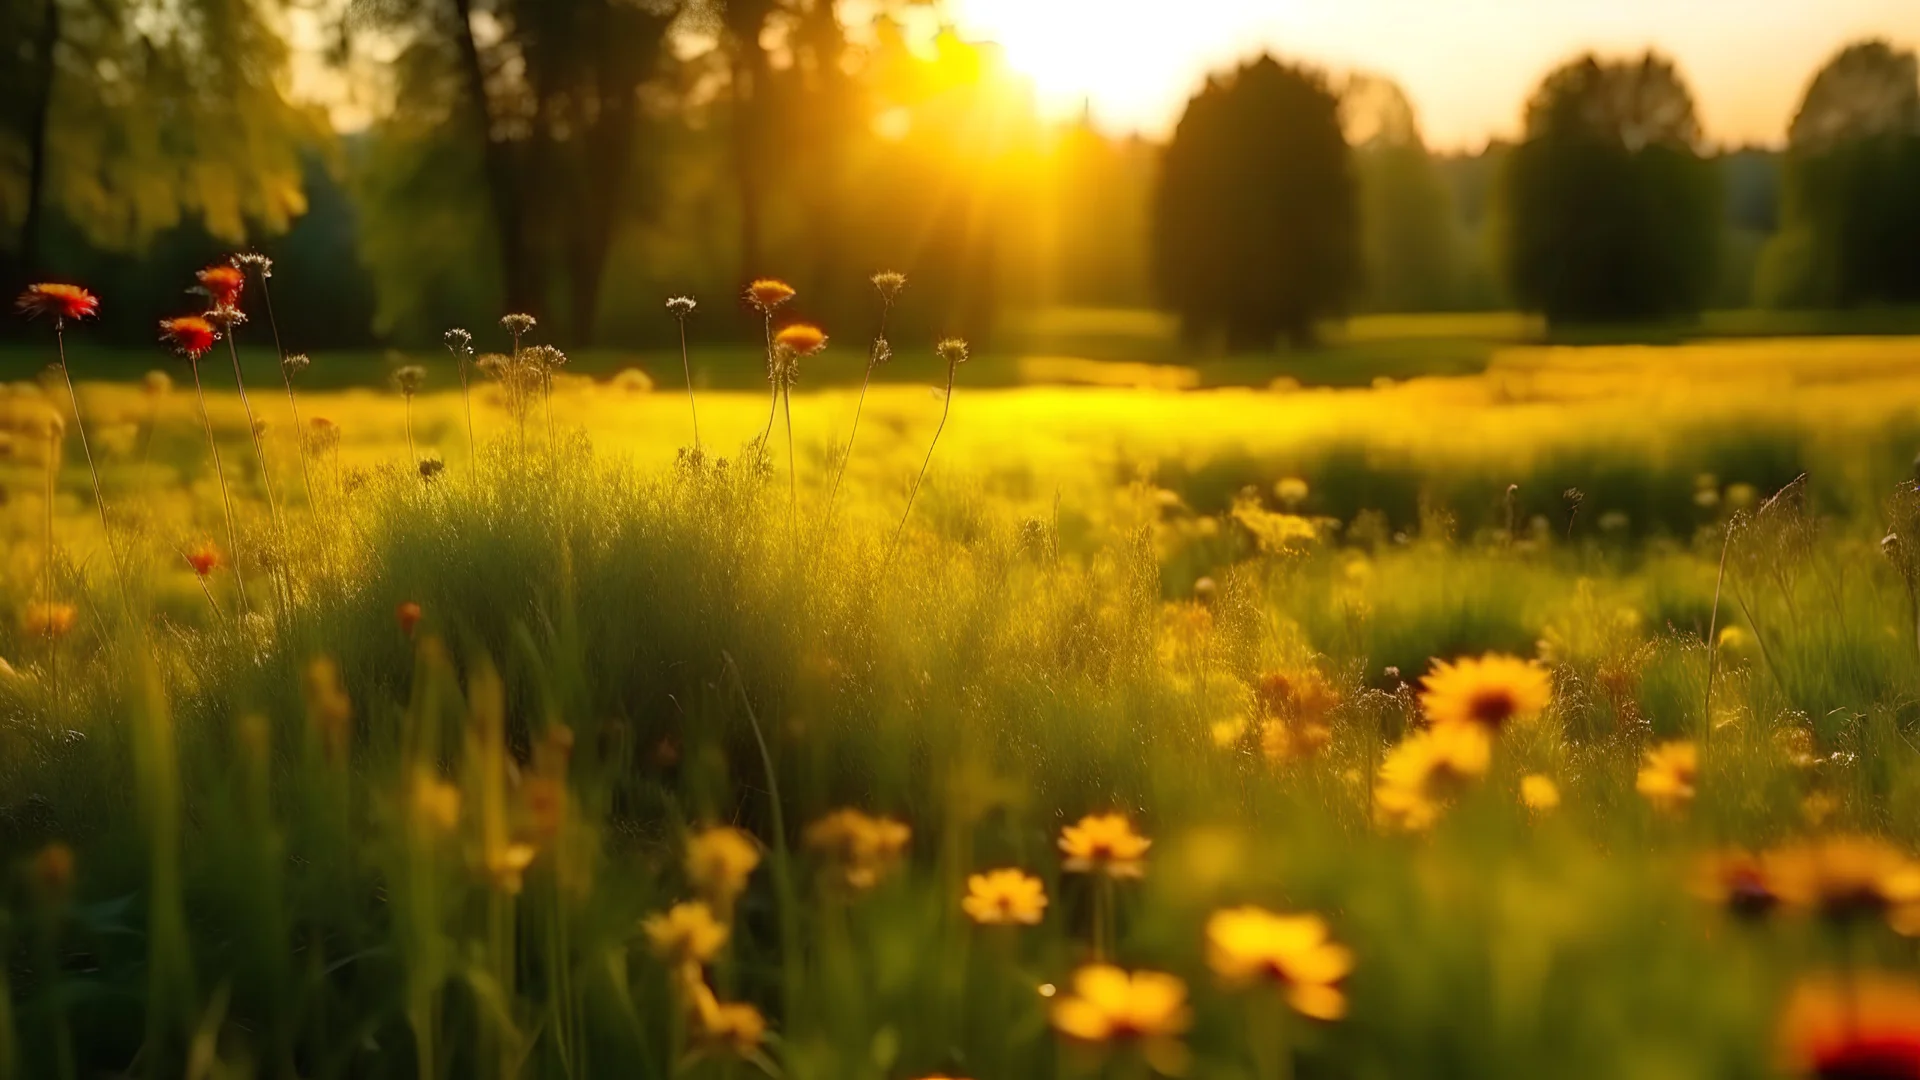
581	159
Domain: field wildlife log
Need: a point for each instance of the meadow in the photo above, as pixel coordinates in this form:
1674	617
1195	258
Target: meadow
1551	715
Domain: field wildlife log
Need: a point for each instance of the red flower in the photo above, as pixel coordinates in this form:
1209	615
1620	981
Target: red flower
204	558
223	283
190	335
59	301
409	616
1864	1027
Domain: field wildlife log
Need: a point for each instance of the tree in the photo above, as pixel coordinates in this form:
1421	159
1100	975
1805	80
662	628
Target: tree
1608	210
1851	215
545	93
128	117
1255	220
1407	231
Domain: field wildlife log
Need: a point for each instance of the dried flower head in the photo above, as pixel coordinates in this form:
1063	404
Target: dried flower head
295	364
889	283
409	379
226	316
953	351
189	335
804	339
545	358
322	434
253	259
222	283
769	293
681	306
517	325
60	301
459	342
431	468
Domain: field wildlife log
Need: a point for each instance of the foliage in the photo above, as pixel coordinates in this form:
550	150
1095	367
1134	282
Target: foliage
1255	221
1608	210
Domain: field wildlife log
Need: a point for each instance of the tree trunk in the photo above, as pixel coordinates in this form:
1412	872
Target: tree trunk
749	66
39	127
519	274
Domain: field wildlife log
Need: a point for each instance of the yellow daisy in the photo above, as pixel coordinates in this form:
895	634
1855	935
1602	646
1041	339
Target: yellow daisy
1490	692
1296	951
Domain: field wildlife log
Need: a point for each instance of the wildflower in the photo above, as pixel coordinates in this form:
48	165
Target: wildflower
517	325
435	801
431	467
735	1027
953	351
407	614
865	847
685	934
1737	881
1306	695
1291	491
409	378
1421	774
1859	1027
52	872
190	335
1849	878
204	558
226	316
1109	1005
681	306
1295	951
294	364
804	339
1106	844
1490	692
223	283
63	302
459	342
49	619
1667	778
719	861
1282	741
254	259
889	283
1539	792
1003	897
506	864
545	358
769	293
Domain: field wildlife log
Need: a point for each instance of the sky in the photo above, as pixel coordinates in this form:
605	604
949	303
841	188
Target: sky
1468	65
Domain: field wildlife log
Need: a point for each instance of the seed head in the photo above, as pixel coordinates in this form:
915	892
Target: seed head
953	351
295	364
409	379
431	468
253	259
226	316
517	325
459	342
769	293
889	283
681	306
546	358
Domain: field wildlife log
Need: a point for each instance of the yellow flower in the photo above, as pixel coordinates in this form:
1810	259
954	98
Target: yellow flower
1864	1025
1109	1005
506	863
728	1025
1292	491
48	619
1667	778
719	861
1539	792
685	934
769	293
1846	878
865	847
1002	897
435	801
1421	774
1104	843
804	339
1295	951
1489	692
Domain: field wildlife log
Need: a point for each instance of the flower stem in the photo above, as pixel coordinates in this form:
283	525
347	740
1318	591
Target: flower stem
686	366
253	429
287	376
99	501
226	500
945	410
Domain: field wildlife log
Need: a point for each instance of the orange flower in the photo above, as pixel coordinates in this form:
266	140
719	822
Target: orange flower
769	293
190	335
59	301
204	558
408	615
804	339
1865	1025
48	620
223	283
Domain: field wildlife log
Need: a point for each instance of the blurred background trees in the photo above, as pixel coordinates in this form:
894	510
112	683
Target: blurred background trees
1610	211
582	159
1256	230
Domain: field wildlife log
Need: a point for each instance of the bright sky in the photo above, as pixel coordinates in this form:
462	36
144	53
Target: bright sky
1468	65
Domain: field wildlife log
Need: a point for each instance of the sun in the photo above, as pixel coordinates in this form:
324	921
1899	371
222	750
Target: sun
1085	55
